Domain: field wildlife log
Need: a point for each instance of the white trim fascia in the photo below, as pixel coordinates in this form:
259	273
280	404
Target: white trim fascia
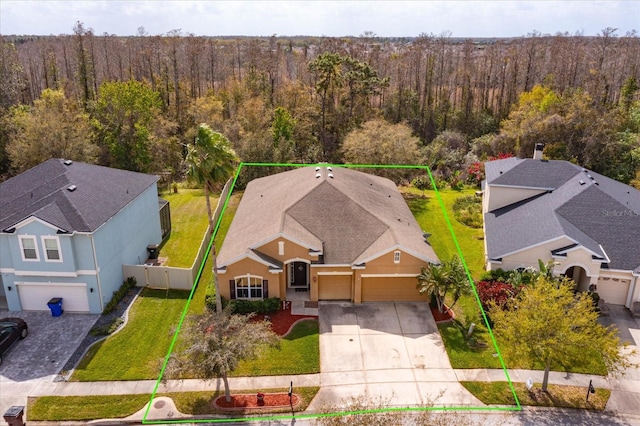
394	248
267	240
275	271
45	274
31	219
296	259
336	273
389	275
580	246
323	265
571	265
244	256
33	284
623	271
537	245
537	188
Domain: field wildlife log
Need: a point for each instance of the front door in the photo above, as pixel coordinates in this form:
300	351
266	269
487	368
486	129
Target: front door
298	274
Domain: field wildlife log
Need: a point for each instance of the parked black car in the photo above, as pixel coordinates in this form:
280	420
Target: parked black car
11	330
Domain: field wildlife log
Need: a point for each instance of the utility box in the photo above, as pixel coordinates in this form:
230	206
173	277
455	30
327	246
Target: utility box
13	415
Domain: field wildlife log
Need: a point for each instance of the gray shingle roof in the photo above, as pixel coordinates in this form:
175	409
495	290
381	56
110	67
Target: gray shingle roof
350	217
100	193
597	212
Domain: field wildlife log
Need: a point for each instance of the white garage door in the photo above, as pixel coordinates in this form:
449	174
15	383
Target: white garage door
613	290
34	296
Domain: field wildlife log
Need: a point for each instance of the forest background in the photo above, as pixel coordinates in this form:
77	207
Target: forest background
135	102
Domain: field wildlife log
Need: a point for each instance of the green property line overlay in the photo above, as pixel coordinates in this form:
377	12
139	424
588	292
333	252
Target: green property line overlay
518	407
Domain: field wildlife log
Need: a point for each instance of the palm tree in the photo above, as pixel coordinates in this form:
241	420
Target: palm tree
435	281
211	162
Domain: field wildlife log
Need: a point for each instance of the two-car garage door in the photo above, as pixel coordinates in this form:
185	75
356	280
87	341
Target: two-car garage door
34	296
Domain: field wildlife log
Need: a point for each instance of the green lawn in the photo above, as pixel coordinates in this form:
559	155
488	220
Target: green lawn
188	225
499	393
298	353
137	351
428	213
76	408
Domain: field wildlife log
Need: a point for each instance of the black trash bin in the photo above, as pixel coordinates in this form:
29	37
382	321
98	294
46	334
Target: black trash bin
153	250
13	415
55	305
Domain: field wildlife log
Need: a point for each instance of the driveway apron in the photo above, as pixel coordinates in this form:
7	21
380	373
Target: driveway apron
384	354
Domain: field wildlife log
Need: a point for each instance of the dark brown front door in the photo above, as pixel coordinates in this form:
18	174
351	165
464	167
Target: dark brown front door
299	274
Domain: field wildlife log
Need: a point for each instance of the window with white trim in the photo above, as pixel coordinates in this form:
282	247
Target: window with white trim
28	248
396	257
249	287
51	246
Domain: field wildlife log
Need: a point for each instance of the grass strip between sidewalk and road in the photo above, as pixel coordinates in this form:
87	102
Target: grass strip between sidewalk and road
81	408
557	396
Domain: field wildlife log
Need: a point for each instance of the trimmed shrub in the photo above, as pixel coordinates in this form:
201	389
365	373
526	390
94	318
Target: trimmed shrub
421	182
119	294
263	306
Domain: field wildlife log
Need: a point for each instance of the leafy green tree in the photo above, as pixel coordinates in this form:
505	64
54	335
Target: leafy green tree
450	277
125	117
215	344
211	162
379	142
547	323
55	127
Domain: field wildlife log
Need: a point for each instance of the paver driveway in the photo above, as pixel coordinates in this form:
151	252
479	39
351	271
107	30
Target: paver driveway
385	353
41	355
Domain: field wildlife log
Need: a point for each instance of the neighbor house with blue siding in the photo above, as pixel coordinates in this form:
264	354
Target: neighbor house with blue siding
66	229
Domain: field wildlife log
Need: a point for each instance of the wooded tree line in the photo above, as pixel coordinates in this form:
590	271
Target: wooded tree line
136	102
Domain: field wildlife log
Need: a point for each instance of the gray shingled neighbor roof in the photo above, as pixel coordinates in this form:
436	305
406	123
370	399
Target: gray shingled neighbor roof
42	192
351	217
597	212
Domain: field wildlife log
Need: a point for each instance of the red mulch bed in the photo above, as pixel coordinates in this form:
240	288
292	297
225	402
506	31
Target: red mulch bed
447	315
251	401
282	321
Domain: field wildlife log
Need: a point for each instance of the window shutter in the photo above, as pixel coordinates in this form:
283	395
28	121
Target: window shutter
265	289
232	289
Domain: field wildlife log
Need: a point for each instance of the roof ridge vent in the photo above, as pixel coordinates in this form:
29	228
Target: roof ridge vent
71	188
581	182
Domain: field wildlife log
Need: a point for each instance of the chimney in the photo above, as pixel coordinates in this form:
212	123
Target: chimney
537	152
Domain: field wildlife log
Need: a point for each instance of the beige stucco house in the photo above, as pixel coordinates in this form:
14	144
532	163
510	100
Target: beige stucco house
324	233
586	223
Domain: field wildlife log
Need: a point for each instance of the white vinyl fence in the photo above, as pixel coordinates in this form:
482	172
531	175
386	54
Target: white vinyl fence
169	277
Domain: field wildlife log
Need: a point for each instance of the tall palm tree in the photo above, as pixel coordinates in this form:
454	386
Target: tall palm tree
211	162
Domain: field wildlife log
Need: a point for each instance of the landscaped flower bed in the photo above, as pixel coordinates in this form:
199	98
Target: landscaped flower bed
242	402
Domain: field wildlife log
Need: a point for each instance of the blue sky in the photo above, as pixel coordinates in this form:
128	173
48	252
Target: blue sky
502	18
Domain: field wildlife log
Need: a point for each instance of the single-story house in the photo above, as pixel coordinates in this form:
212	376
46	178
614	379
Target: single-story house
329	233
586	223
66	229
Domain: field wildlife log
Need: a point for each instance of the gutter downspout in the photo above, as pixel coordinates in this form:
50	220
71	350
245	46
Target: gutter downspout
633	290
95	262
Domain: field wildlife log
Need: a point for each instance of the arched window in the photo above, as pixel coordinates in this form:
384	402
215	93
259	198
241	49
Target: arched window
249	287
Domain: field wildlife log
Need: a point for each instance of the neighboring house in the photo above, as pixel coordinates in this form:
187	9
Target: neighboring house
67	228
328	233
586	223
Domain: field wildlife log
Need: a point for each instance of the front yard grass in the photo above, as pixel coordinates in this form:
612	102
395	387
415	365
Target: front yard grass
299	353
84	408
137	351
559	396
188	225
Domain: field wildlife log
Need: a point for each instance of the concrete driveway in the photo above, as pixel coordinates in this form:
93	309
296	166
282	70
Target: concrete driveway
39	357
388	354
